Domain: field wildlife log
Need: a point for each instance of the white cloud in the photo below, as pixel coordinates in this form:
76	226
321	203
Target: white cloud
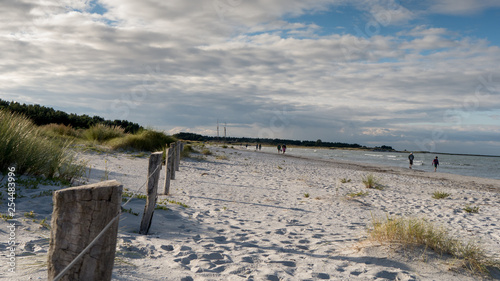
429	42
389	12
182	65
461	7
423	30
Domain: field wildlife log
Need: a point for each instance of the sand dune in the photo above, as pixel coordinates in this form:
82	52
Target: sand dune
249	219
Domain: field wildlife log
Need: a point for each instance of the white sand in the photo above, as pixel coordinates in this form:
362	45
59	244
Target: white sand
248	219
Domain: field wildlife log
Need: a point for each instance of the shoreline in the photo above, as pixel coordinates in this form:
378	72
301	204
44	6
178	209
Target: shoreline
488	183
360	149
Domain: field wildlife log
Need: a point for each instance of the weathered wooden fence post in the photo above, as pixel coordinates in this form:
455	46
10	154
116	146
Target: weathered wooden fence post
174	156
153	178
168	171
178	156
80	214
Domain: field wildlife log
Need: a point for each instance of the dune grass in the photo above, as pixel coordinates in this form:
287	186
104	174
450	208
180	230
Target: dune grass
144	140
102	133
25	147
59	130
419	232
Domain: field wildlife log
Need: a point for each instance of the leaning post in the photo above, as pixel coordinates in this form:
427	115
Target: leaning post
153	178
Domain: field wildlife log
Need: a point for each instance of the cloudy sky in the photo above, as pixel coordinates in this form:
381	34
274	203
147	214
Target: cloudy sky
413	74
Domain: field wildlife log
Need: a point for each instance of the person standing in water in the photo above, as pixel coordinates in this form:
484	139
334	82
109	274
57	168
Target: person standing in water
279	148
435	163
411	157
284	148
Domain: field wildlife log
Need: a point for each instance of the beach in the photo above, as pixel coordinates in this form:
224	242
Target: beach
241	214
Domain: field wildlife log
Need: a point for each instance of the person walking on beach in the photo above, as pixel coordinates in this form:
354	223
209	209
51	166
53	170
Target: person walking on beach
260	146
279	148
411	157
284	148
435	163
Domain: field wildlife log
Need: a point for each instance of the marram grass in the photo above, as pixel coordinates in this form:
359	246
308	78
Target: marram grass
23	146
144	140
59	130
101	133
419	232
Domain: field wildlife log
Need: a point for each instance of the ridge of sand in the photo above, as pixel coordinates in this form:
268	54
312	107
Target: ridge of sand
248	219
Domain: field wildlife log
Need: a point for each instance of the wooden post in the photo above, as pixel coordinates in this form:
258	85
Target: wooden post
168	171
178	156
153	177
80	214
174	155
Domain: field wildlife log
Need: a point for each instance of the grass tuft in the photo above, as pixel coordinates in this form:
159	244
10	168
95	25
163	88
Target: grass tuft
6	217
186	152
44	223
357	194
370	181
161	207
440	195
470	209
30	214
419	232
344	180
178	203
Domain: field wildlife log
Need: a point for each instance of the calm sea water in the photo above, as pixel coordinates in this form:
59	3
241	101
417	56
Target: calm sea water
477	166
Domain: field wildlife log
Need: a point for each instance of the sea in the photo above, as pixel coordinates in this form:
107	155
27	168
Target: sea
467	165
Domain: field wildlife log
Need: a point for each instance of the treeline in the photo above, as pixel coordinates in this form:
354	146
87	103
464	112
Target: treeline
42	115
317	143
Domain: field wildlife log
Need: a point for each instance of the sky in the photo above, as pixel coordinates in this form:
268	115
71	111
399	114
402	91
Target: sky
415	75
